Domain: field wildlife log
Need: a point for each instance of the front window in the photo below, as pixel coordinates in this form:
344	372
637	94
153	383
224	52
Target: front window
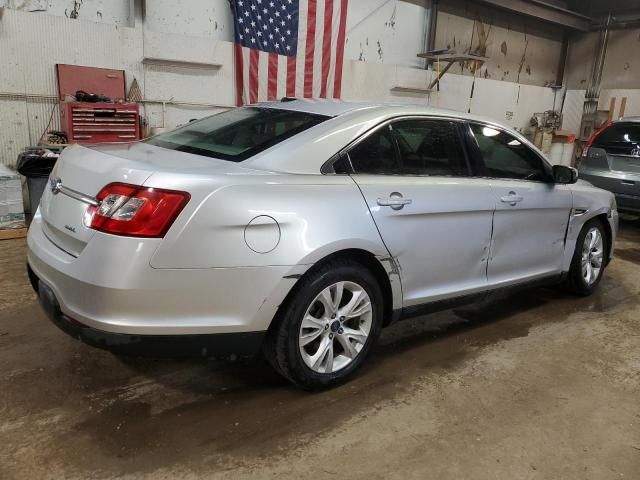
505	156
237	134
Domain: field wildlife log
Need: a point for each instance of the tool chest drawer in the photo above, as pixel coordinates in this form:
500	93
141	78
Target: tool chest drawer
100	122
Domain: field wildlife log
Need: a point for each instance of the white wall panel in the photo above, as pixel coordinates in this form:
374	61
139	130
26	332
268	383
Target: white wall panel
532	99
453	93
115	12
14	130
633	101
198	18
494	99
386	31
572	110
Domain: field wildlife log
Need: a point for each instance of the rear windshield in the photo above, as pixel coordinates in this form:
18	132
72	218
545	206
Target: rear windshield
237	134
619	133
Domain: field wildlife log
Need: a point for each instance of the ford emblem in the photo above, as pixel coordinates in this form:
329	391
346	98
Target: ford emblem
55	184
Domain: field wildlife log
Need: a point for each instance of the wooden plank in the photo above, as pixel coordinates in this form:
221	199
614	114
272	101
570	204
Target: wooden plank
623	106
401	89
453	57
612	107
13	233
170	62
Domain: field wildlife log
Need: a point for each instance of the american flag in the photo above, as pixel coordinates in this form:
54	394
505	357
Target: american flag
292	48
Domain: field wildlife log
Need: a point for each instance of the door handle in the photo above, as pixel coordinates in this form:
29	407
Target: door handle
512	198
396	202
628	182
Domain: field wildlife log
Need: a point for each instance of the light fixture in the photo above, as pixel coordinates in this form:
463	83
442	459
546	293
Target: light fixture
489	132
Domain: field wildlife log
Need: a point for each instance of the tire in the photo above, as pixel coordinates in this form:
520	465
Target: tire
289	345
576	282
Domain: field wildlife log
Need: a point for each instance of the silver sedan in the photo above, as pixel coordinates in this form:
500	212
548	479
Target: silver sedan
303	228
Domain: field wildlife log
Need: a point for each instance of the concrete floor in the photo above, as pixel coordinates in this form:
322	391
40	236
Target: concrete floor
532	385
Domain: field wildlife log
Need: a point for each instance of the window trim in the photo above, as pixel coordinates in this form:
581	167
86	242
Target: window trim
478	161
327	167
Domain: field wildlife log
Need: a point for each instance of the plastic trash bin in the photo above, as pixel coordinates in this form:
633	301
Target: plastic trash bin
36	165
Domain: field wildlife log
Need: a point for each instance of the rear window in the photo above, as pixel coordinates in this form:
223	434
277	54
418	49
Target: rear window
619	133
237	134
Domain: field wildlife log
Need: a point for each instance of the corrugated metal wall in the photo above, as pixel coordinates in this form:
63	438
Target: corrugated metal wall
31	44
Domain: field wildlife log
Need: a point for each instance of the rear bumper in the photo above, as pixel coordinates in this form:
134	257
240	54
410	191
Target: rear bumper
111	288
628	203
151	345
625	187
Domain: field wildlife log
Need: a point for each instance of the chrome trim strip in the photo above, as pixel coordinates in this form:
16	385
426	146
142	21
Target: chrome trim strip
636	157
578	212
69	192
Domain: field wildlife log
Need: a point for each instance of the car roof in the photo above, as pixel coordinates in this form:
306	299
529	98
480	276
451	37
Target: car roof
309	150
628	119
335	108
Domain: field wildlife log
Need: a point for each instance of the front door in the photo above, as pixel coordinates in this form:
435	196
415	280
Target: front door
434	219
532	212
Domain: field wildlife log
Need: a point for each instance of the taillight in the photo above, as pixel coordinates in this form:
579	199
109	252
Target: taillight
585	150
135	211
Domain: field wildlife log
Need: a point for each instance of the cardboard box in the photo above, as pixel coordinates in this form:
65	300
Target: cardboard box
11	206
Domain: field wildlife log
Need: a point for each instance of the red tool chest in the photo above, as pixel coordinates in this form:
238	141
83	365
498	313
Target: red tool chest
87	122
100	122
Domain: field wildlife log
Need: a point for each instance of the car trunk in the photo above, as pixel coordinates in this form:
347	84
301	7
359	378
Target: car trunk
613	169
86	170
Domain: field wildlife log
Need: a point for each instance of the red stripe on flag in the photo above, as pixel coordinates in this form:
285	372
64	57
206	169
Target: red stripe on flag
239	74
291	76
272	77
337	81
253	75
310	48
326	47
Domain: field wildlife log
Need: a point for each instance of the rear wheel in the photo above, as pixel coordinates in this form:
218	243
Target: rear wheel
587	266
328	326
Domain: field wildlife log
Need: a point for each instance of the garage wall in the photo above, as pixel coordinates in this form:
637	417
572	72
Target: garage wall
383	38
521	49
620	76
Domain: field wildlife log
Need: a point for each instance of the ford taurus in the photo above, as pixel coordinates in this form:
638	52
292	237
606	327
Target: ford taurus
303	228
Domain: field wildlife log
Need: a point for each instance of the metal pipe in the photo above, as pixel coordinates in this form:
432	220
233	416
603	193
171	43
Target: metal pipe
562	62
54	98
544	11
27	96
431	34
190	104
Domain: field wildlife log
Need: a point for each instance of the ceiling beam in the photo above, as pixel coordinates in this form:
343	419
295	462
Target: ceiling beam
544	11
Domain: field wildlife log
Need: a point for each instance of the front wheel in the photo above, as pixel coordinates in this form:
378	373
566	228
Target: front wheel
588	261
328	326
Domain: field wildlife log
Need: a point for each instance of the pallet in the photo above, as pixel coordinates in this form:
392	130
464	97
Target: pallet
13	233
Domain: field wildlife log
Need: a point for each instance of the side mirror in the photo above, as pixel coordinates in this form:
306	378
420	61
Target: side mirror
565	175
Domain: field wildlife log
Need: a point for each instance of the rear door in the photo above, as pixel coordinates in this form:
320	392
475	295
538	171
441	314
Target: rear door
532	212
434	219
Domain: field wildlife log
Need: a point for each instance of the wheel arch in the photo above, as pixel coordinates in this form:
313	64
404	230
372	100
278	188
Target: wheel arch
383	268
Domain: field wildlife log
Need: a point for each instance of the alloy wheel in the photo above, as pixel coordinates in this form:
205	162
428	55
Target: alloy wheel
335	327
592	256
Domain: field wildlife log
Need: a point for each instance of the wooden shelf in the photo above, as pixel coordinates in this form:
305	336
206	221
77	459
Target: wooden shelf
419	90
449	59
6	234
453	57
180	63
